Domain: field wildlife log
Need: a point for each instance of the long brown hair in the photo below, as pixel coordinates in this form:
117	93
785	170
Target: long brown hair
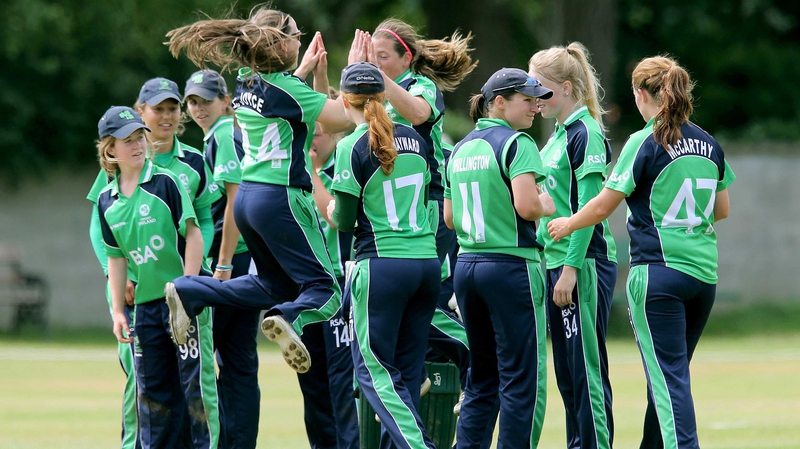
381	130
445	62
669	84
571	63
254	42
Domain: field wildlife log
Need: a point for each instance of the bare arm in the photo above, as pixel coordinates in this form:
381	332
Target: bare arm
193	256
595	211
414	109
230	233
117	279
722	206
528	202
448	213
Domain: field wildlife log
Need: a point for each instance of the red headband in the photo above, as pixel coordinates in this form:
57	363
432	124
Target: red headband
398	39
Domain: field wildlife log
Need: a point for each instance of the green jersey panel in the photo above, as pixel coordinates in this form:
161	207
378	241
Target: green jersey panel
188	164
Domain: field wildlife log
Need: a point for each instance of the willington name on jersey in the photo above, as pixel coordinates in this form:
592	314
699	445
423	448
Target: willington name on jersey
690	146
471	163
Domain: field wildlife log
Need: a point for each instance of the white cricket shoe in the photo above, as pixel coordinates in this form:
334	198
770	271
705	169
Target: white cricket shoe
278	330
179	321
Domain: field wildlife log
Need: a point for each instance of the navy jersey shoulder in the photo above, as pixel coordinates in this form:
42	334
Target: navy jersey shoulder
277	102
406	141
578	140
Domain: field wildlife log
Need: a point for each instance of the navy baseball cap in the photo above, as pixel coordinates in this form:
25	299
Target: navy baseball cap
120	122
206	84
362	78
516	80
157	90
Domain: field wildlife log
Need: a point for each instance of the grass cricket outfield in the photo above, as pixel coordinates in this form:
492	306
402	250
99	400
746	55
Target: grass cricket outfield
68	394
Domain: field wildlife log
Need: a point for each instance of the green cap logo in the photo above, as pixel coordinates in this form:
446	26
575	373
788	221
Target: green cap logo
126	115
163	85
197	78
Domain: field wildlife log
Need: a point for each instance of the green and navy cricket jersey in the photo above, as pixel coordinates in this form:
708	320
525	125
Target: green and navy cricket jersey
188	164
224	153
576	149
392	218
670	195
276	113
339	243
431	130
148	229
478	183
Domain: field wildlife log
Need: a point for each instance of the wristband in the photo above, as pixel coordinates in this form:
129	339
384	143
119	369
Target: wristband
223	268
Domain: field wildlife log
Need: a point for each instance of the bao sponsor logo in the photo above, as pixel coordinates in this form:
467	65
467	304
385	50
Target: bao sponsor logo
343	176
626	175
141	256
551	183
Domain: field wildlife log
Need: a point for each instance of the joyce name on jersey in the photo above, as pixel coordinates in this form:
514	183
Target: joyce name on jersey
392	217
671	195
575	150
430	130
276	113
147	229
479	175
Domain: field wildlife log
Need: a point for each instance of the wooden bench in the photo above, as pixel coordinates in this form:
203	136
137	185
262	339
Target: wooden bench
25	294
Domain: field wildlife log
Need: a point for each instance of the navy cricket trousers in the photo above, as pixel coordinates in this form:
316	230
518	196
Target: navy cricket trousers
580	360
392	305
330	411
281	229
668	311
235	340
501	299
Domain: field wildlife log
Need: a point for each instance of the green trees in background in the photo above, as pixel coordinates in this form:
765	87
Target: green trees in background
64	62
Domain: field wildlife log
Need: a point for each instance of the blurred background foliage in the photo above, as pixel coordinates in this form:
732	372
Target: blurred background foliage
64	62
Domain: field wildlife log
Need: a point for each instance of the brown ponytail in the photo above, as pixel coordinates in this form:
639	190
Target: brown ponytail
571	63
381	130
445	62
669	84
477	107
253	43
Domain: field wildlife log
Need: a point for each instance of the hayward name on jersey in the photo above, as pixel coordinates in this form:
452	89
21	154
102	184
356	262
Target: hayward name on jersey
392	216
576	149
478	182
431	130
148	229
276	113
671	197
